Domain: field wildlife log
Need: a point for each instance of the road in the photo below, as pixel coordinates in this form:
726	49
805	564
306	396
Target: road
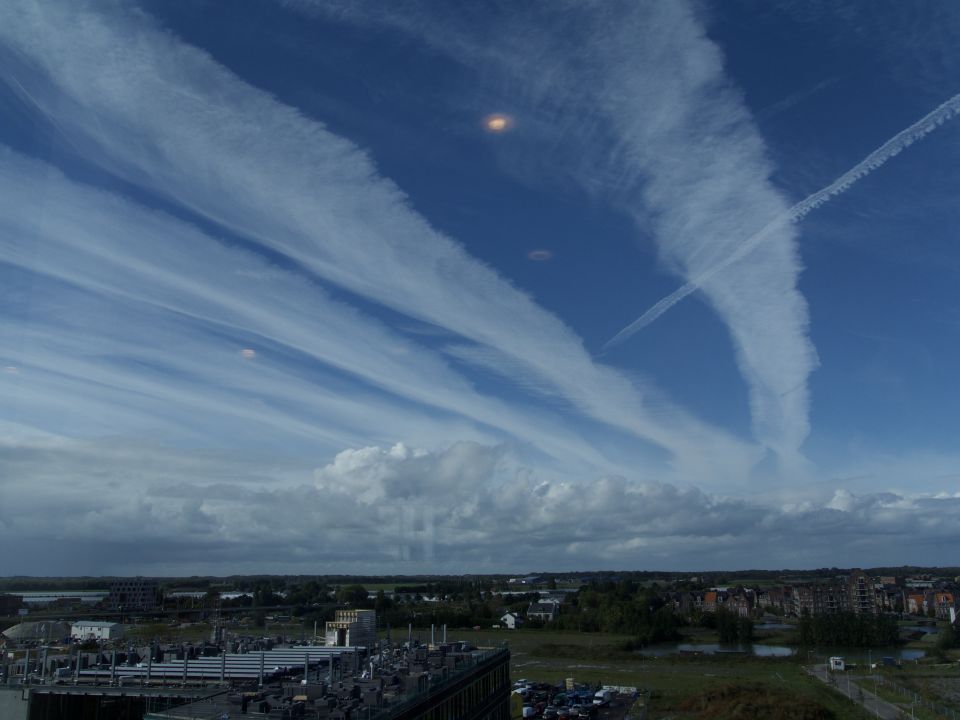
617	710
846	685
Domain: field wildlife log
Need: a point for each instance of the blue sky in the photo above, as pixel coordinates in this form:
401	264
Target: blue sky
279	297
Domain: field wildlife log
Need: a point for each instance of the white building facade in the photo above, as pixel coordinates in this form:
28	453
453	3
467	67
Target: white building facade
94	630
352	628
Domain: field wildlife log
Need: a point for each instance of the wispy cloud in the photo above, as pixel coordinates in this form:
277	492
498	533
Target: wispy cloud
795	98
890	149
123	304
162	115
633	100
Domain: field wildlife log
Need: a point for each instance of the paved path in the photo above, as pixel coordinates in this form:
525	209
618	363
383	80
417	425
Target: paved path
845	685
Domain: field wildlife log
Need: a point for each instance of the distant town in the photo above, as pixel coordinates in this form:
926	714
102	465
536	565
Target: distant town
843	643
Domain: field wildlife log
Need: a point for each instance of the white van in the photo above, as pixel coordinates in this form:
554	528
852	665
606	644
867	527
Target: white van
602	698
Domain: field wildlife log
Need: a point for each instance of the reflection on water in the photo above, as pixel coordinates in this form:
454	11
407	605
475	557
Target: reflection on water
925	629
718	649
852	655
760	627
32	597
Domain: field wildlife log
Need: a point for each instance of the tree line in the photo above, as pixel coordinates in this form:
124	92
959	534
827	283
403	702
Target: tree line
848	629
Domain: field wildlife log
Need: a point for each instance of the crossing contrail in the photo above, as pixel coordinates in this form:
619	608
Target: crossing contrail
895	145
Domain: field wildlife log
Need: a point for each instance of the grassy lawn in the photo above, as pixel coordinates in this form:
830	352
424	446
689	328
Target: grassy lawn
195	632
550	656
901	701
936	682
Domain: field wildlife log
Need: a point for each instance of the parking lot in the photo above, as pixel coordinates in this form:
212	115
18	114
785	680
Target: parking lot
617	709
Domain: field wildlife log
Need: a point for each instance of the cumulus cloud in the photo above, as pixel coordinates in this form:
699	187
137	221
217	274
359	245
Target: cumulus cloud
396	508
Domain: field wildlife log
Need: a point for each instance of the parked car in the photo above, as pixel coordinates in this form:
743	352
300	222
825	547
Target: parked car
602	698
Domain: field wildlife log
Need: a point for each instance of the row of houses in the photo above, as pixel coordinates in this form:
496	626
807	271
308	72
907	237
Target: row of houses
858	593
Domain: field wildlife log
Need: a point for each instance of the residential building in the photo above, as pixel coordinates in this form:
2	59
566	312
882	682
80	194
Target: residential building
741	602
942	603
511	621
916	604
863	600
543	611
820	599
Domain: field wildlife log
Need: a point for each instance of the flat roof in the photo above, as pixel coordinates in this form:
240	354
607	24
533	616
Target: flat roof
94	623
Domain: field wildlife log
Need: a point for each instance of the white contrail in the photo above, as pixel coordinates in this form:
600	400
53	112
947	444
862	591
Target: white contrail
871	162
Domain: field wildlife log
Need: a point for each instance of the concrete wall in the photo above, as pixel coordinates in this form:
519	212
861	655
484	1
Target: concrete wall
11	706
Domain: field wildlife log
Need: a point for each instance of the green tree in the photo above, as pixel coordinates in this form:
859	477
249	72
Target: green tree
354	595
382	603
946	639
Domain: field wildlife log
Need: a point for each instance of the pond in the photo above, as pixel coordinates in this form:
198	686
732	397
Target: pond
852	655
718	649
773	626
44	597
925	629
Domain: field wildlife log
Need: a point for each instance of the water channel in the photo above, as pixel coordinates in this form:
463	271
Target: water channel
853	655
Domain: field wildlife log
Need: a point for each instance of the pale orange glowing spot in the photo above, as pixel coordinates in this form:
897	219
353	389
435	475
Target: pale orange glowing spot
497	123
248	353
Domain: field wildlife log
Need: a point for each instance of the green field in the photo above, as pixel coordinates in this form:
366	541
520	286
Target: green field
547	656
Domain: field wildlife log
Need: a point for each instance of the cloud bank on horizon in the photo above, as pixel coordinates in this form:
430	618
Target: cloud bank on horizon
260	302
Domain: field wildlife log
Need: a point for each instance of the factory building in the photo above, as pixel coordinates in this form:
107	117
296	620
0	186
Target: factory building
255	676
352	628
95	630
43	631
134	595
